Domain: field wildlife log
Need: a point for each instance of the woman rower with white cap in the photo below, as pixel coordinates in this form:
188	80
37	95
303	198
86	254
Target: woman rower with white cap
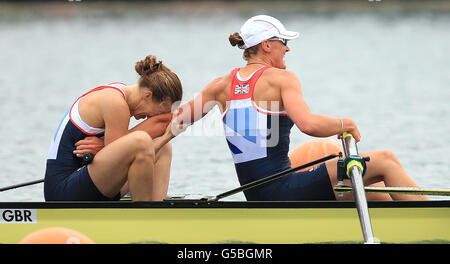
260	103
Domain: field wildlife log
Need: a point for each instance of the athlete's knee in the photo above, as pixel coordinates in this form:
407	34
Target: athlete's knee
387	155
141	139
142	145
147	156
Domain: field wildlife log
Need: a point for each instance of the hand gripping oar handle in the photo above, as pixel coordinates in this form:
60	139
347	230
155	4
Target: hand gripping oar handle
355	173
270	178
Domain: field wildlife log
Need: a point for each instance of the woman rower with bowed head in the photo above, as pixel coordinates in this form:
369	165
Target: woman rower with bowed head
260	103
136	160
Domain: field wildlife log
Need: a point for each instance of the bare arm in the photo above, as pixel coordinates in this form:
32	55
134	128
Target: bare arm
155	126
116	115
202	103
162	129
310	123
185	116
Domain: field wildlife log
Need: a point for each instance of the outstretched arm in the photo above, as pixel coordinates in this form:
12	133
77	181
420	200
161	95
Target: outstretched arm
202	103
158	126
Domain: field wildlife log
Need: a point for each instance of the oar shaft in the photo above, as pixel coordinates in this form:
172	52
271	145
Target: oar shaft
363	210
350	148
272	177
87	158
21	185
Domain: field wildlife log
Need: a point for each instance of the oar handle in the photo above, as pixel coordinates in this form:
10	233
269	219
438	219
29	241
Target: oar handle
347	134
349	144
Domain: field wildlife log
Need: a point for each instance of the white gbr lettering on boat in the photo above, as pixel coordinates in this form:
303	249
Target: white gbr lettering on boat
18	216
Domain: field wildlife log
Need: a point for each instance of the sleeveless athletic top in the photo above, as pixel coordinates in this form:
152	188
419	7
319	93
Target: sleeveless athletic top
61	161
257	138
72	129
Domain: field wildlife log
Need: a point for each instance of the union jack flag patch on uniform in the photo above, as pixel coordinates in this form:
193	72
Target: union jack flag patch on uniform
241	89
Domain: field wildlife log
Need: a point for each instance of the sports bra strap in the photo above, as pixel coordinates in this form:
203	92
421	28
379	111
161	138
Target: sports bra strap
242	89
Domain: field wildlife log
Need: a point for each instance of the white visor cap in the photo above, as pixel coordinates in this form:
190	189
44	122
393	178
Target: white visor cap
258	28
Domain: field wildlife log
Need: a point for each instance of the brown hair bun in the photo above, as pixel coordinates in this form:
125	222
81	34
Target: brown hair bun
148	65
236	40
159	79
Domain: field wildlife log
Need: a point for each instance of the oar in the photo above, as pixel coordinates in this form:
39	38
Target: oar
21	185
270	178
87	158
355	174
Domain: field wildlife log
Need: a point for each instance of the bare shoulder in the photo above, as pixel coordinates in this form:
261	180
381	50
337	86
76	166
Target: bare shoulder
111	100
218	84
97	107
217	89
111	95
282	78
276	73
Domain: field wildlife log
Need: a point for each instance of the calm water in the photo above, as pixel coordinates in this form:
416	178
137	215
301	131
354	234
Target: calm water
387	68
